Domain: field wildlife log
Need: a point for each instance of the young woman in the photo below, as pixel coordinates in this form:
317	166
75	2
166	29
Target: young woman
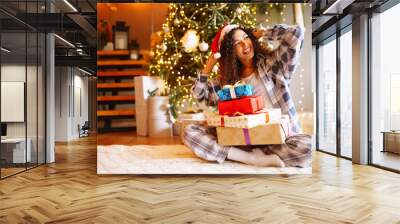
242	58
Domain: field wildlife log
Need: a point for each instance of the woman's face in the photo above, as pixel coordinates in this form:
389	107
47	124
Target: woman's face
243	46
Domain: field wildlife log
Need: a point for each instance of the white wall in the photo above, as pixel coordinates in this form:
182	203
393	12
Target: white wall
13	73
33	127
71	102
62	83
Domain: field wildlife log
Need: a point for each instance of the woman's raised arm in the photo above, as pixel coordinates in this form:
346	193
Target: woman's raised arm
205	89
286	55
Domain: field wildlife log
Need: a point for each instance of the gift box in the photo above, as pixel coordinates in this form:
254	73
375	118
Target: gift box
262	117
216	120
245	105
253	120
143	84
269	134
229	92
141	120
191	115
177	126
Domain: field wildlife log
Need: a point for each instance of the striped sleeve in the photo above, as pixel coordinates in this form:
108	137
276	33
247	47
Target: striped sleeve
287	54
205	90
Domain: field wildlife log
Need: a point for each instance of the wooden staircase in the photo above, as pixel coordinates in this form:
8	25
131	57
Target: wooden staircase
116	90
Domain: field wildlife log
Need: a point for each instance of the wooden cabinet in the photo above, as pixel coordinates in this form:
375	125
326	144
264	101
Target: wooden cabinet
391	141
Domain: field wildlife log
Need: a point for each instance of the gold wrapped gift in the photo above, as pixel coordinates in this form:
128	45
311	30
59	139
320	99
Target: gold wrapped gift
268	134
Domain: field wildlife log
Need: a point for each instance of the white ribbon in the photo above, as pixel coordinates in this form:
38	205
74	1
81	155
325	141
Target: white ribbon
232	88
232	91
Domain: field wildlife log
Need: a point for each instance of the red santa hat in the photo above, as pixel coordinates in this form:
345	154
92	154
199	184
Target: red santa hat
216	44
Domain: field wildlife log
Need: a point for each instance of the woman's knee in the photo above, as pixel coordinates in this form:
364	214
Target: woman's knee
191	128
300	142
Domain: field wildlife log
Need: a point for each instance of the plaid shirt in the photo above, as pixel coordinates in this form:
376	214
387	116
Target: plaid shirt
275	69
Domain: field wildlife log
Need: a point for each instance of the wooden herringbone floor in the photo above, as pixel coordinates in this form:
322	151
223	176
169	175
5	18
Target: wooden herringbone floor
70	191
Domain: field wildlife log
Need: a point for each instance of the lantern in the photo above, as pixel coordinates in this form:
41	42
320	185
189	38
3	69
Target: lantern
134	50
121	36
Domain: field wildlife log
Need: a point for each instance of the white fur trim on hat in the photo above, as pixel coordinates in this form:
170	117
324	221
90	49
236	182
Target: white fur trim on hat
224	31
217	55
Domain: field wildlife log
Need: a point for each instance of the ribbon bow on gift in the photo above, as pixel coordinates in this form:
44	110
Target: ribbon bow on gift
236	114
232	88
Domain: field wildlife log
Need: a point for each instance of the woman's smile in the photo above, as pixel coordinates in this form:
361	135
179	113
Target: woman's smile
247	50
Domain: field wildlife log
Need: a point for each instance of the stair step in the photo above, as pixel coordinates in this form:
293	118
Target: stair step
116	85
115	98
121	63
126	73
111	113
113	53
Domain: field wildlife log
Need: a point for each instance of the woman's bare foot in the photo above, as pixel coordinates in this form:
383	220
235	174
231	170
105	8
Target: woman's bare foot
256	157
259	158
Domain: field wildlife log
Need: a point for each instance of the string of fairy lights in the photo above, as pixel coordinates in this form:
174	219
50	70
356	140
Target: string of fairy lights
184	45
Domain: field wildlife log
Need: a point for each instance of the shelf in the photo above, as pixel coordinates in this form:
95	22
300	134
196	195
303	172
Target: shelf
114	113
115	98
121	63
113	53
116	85
125	73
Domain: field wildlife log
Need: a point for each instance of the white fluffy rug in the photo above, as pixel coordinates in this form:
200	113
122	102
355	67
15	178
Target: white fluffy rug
172	159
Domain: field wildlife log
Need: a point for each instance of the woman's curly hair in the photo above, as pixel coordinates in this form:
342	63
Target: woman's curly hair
230	66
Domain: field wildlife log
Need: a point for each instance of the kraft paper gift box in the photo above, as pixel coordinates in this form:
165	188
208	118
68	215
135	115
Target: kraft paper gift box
269	134
245	105
177	126
245	121
229	92
194	116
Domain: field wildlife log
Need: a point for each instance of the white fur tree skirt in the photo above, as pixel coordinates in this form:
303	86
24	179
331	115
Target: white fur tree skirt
172	159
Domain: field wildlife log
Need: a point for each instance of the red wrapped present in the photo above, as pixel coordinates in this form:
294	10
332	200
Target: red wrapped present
245	105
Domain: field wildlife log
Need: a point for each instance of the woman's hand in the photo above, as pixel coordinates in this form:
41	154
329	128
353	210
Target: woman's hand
258	33
211	61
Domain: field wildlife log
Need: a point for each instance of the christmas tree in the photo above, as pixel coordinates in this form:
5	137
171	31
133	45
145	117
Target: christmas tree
184	45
